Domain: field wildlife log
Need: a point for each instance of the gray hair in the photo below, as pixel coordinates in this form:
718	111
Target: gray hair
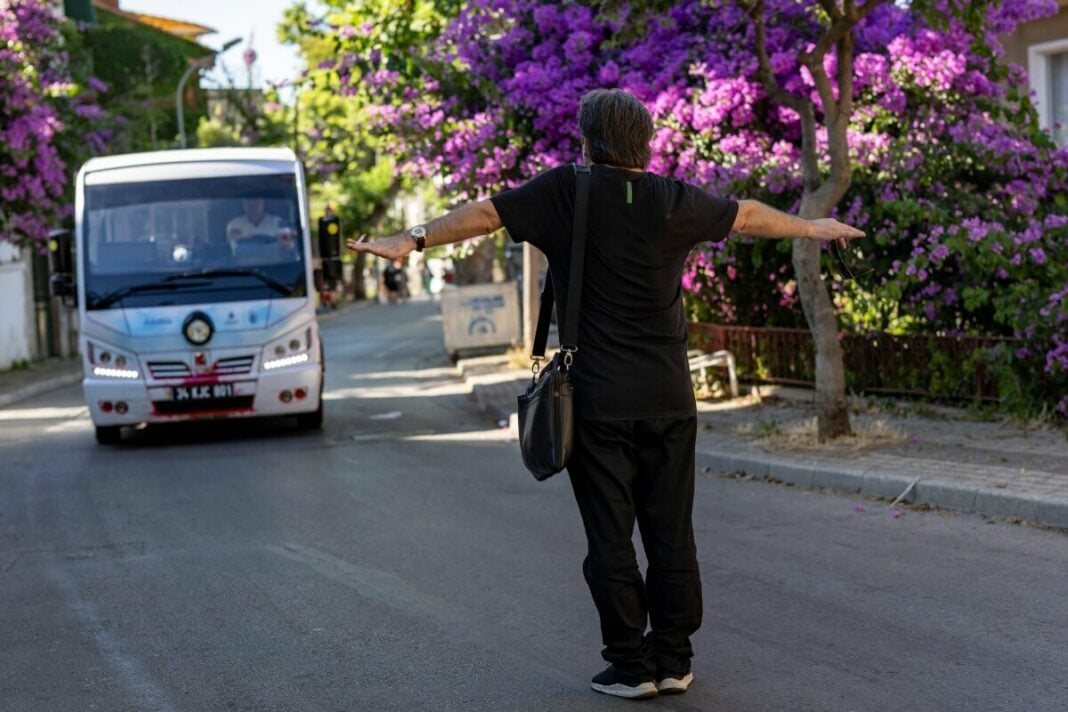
617	128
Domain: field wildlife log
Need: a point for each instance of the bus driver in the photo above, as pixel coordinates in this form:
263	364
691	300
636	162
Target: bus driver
256	221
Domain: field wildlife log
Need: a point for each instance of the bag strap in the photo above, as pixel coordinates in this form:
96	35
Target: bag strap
569	339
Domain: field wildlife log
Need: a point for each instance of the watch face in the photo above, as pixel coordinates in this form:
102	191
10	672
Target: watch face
418	231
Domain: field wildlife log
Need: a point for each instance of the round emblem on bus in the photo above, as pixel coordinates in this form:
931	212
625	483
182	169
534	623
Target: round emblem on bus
198	328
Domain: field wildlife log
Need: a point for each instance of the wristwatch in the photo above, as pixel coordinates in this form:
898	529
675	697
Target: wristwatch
418	234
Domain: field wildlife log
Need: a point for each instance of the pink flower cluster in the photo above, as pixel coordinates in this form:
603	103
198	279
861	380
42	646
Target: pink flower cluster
44	114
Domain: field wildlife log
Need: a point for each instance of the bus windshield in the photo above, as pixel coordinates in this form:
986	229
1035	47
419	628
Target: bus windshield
193	241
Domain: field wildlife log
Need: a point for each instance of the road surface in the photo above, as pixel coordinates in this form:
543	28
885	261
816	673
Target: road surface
402	559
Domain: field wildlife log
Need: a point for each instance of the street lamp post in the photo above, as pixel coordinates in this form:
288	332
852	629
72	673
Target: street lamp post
202	63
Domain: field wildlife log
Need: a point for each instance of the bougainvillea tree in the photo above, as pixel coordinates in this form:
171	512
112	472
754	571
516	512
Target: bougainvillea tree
962	196
47	118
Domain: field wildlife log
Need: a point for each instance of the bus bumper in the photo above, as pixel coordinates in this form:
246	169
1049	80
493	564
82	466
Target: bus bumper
287	391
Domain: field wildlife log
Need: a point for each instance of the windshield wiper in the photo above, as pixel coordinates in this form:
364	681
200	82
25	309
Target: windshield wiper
119	294
276	285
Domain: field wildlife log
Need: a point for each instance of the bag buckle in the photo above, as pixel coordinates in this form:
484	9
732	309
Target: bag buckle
569	355
535	367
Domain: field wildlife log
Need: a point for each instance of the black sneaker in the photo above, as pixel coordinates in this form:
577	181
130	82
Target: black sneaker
611	682
674	684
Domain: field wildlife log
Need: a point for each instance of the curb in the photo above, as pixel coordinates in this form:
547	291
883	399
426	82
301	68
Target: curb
944	495
489	377
865	480
497	398
43	386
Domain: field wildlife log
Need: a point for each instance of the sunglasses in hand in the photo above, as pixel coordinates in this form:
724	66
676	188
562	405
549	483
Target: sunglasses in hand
849	262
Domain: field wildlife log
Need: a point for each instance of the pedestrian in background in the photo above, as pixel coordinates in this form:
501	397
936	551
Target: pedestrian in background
395	280
428	277
636	424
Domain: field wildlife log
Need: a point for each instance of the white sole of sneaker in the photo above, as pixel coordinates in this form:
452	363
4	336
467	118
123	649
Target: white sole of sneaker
631	692
675	685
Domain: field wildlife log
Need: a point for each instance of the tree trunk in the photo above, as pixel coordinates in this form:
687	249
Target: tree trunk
832	408
821	195
477	268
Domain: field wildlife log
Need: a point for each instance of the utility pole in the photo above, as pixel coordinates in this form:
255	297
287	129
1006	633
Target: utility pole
195	66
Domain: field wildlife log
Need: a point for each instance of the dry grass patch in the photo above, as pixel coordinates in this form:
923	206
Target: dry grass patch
801	435
519	357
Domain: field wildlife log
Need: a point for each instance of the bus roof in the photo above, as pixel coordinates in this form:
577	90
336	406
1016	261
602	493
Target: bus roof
190	155
187	163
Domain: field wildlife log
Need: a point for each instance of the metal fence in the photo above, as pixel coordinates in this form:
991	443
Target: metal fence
931	366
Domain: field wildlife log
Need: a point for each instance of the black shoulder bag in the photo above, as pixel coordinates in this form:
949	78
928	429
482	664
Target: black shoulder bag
546	416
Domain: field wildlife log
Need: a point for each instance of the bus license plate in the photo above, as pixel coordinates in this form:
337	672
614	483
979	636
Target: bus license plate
209	391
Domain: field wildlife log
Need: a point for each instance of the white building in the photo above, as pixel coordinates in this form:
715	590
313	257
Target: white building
1042	48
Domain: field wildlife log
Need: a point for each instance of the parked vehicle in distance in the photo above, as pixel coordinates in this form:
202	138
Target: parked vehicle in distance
192	274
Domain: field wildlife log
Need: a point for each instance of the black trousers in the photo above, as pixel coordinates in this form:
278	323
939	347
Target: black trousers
624	471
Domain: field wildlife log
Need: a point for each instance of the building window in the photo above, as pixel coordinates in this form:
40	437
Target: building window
1058	106
1048	68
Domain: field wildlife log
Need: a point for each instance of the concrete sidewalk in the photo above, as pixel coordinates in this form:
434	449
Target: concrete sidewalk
941	458
37	378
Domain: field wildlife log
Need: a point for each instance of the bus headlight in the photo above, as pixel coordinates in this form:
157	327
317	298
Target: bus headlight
292	349
107	361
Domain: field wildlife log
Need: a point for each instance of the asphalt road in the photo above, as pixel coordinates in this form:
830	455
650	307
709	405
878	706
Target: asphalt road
402	559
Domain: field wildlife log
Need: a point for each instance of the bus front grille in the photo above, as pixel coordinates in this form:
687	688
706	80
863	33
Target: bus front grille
234	366
169	369
230	366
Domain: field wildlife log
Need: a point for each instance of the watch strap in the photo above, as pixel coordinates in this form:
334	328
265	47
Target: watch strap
419	235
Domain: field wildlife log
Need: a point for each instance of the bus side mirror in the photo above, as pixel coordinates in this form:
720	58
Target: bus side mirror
61	265
330	248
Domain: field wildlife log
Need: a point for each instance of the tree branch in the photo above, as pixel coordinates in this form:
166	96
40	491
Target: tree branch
802	105
767	75
842	24
869	7
838	112
814	62
838	123
844	76
810	164
831	8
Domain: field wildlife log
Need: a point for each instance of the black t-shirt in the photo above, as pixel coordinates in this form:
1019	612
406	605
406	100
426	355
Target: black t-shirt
632	337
